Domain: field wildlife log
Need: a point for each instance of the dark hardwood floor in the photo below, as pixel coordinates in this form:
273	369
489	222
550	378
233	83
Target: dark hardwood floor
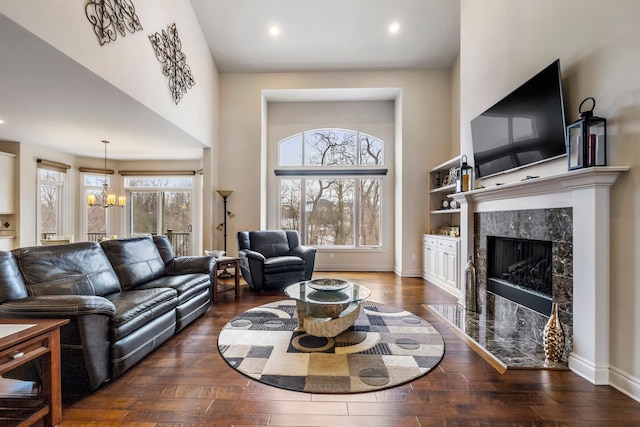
187	383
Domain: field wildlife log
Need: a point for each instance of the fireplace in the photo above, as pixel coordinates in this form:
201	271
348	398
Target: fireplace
541	240
521	270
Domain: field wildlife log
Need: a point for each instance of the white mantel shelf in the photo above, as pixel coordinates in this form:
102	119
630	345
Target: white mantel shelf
586	191
588	177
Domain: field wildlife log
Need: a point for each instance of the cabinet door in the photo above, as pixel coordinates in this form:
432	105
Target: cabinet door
430	260
6	183
451	270
441	267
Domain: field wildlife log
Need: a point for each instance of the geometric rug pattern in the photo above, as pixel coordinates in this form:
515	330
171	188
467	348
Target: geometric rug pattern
385	347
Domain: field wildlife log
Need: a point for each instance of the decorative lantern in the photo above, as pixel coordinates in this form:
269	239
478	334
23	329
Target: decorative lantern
463	176
587	139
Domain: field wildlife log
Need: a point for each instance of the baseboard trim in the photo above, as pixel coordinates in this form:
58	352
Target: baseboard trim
625	383
588	371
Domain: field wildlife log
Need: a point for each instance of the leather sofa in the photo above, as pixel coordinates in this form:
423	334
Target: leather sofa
123	297
273	259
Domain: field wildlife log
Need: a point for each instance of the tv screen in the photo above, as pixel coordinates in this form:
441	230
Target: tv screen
524	128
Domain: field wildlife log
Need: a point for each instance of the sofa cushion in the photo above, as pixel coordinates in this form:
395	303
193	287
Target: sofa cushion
136	260
282	264
136	308
269	243
187	285
74	269
11	283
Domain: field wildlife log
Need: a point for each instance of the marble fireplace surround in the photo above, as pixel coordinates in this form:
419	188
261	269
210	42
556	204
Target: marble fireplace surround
586	192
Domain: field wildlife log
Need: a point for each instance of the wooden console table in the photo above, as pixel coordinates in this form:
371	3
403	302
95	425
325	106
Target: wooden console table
41	340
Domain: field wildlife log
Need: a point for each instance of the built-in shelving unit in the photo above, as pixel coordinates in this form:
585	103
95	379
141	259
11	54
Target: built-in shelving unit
441	252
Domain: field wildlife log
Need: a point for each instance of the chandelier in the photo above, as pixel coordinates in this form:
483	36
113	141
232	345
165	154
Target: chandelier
108	200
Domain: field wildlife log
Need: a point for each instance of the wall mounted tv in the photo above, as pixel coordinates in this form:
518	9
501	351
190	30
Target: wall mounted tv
524	128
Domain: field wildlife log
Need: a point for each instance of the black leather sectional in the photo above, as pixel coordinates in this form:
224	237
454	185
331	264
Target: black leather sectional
124	298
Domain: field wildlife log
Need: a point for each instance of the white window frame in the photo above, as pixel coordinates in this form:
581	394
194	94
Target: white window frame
61	200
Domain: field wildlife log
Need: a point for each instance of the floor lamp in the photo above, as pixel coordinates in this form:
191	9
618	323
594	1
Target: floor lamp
223	227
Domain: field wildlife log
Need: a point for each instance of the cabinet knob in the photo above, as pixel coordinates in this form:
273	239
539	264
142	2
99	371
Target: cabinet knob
17	355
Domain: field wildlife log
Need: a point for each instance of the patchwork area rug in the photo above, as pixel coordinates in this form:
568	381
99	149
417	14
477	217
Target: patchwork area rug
386	347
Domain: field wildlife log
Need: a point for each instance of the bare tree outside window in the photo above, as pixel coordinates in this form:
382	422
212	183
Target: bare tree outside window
51	183
324	209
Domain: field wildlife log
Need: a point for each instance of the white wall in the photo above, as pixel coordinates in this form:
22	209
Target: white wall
424	111
129	62
503	43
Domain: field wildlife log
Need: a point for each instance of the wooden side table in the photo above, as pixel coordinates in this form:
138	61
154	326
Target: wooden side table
41	340
222	264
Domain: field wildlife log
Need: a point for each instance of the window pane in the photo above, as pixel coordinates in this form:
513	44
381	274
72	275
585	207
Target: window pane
95	180
176	214
49	175
370	212
49	199
370	150
330	148
96	217
144	212
290	151
159	182
329	212
290	197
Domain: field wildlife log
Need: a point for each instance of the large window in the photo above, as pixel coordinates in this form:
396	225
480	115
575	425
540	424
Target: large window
161	205
50	196
97	215
330	184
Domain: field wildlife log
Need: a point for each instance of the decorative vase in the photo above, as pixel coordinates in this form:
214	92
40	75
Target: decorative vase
471	290
553	336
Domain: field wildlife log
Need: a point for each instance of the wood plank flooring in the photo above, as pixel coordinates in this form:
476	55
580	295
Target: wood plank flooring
187	383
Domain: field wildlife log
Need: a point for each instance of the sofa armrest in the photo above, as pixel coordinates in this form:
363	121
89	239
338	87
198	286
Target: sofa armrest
191	264
57	306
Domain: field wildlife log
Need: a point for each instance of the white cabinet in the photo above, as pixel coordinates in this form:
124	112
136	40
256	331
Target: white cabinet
441	262
6	182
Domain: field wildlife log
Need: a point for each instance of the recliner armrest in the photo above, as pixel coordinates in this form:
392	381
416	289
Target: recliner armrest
57	306
248	253
191	264
303	251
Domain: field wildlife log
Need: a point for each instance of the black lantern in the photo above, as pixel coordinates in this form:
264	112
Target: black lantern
587	139
463	176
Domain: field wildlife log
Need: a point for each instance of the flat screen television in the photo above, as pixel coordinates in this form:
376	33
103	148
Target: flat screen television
524	128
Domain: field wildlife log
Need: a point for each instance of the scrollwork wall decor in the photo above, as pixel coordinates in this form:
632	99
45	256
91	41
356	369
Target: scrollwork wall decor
168	49
110	17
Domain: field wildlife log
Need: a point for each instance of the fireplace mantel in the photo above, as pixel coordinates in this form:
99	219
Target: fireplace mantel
586	191
589	177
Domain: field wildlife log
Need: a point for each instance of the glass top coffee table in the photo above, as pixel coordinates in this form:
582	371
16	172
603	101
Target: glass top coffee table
326	307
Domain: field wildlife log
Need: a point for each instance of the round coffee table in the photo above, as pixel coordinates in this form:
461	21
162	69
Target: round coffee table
326	307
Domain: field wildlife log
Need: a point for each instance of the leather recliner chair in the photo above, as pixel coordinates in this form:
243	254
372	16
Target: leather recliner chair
273	259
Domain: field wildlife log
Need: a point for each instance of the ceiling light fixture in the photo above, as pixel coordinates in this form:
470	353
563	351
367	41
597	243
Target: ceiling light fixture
108	200
274	30
1	122
394	27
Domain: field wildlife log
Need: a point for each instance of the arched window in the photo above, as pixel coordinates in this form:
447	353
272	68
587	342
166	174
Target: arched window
330	184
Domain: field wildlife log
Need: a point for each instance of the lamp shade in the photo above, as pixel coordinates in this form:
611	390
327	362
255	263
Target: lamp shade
225	193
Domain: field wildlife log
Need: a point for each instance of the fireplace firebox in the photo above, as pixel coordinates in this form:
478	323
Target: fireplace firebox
520	270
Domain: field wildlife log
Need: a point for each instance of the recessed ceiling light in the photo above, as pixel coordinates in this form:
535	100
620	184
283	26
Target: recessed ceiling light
1	122
394	27
274	30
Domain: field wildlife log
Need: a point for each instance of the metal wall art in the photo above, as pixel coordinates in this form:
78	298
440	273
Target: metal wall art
109	16
168	48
